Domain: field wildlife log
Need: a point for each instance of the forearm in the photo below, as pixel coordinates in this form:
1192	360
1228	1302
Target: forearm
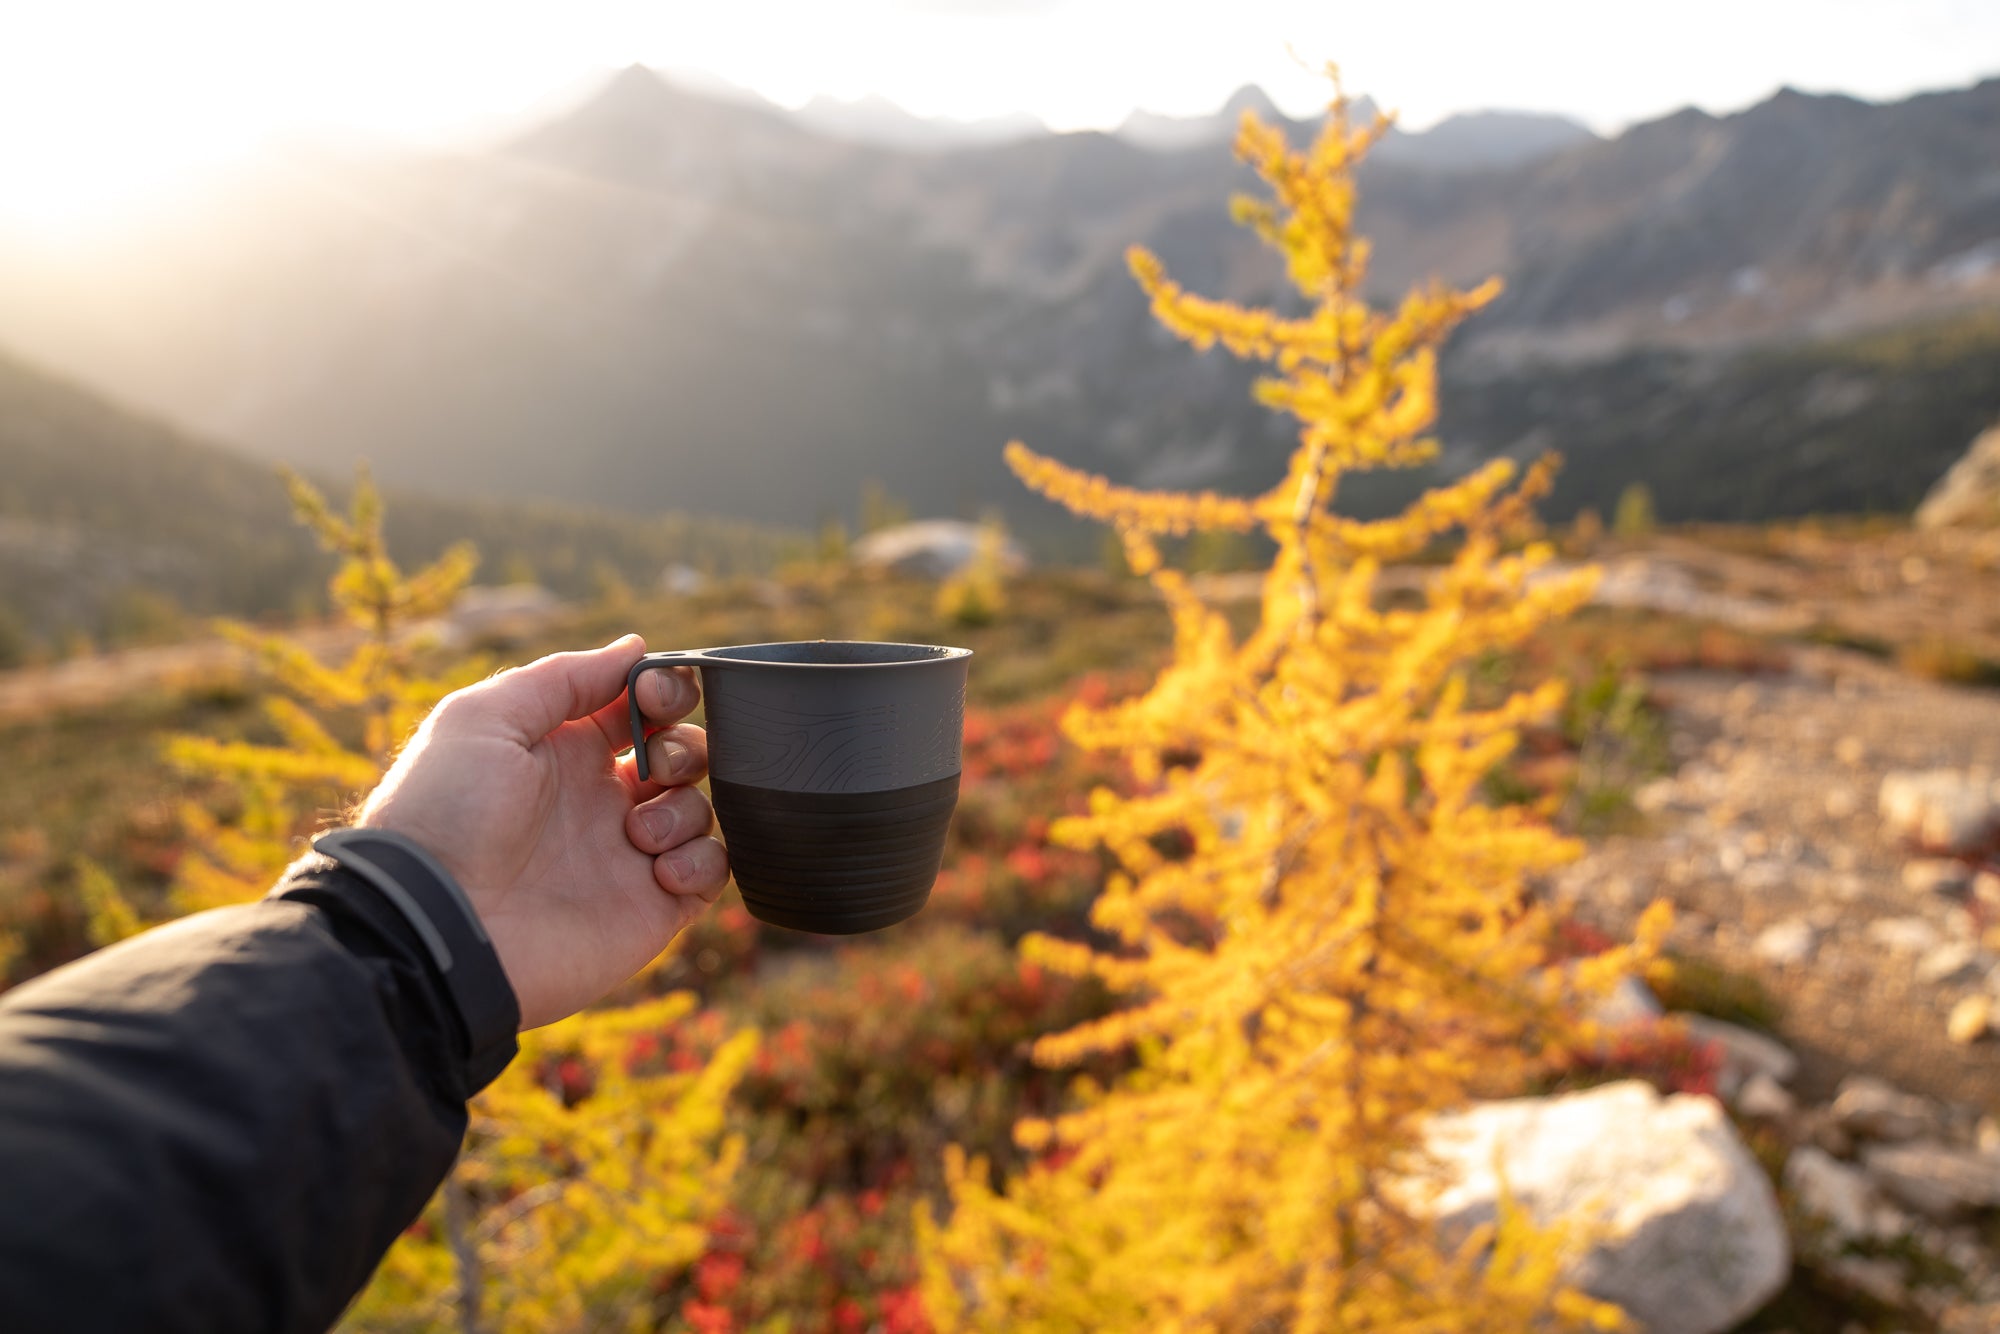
222	1124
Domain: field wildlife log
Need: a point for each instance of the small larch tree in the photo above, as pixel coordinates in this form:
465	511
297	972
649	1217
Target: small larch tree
590	1170
1323	932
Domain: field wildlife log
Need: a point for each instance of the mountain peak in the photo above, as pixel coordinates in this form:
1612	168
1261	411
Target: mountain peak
1250	97
634	81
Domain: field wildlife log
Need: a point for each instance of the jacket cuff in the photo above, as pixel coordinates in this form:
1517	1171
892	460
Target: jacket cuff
363	871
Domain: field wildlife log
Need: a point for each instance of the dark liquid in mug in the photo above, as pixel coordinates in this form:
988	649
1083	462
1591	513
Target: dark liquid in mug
838	863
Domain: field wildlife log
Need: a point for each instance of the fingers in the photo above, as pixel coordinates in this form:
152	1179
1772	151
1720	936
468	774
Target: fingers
699	867
532	701
677	755
674	828
667	694
668	820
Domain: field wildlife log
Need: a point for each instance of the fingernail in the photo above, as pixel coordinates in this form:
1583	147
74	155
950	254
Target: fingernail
673	760
660	822
672	691
681	865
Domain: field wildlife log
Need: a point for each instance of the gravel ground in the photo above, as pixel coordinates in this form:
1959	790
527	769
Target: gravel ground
1770	821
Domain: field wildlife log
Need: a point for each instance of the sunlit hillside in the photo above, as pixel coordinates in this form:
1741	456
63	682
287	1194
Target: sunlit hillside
116	527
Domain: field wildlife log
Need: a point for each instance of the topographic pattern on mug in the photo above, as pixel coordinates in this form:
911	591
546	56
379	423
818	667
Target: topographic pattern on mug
940	753
852	750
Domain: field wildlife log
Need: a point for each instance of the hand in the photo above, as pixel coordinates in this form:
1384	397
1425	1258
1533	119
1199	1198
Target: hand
580	873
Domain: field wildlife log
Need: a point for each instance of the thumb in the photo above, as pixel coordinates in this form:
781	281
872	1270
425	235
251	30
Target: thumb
530	702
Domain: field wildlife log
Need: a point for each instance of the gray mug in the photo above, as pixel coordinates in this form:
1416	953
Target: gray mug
834	770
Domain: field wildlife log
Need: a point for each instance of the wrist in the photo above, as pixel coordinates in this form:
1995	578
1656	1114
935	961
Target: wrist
402	872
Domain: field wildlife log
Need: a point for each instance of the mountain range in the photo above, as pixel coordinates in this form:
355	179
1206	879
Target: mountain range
663	299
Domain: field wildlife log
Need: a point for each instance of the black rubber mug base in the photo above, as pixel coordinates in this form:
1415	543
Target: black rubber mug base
836	863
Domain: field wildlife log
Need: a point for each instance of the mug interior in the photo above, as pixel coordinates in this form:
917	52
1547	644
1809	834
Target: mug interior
833	653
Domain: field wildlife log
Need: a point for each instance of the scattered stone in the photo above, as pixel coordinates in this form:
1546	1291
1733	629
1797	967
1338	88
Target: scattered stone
1986	888
1970	1019
681	580
1904	935
1785	944
933	549
1745	1052
1879	1278
1987	1135
1936	875
1687	1234
1818	1128
1939	810
1869	1107
1934	1178
1841	802
1850	751
498	614
1953	962
1841	1196
1968	495
1656	796
1765	1098
1630	1002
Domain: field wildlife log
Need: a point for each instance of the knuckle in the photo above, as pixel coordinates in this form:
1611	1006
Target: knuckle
460	706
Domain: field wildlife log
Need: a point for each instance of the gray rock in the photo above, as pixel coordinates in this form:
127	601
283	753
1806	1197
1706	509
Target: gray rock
1936	875
1968	495
1905	935
679	580
1841	1196
1867	1106
1950	963
1939	810
1881	1278
1969	1020
1686	1232
933	549
1745	1052
1935	1179
1786	944
1765	1098
1630	1002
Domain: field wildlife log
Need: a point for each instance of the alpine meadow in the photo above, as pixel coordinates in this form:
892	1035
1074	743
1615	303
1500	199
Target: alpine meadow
1477	805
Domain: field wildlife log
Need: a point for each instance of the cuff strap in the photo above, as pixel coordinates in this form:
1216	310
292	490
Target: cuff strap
437	910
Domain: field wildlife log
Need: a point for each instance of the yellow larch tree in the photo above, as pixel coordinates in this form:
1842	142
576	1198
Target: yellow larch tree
1322	932
589	1171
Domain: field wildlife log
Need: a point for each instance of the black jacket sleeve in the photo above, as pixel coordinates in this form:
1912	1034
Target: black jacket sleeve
223	1124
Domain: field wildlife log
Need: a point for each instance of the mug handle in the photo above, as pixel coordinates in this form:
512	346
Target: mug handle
670	658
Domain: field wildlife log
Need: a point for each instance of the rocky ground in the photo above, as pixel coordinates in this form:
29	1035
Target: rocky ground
1790	834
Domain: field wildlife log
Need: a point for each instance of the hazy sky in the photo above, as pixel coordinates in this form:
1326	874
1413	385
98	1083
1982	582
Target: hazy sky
104	100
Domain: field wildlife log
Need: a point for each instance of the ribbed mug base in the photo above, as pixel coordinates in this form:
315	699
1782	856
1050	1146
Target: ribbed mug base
836	863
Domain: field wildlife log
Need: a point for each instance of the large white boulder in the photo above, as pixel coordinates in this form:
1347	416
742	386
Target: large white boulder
1675	1221
932	549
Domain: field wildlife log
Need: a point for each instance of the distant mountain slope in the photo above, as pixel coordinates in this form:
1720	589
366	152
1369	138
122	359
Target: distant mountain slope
877	120
1468	141
660	300
100	507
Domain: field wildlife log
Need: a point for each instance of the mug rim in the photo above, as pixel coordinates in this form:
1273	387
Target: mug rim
922	655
